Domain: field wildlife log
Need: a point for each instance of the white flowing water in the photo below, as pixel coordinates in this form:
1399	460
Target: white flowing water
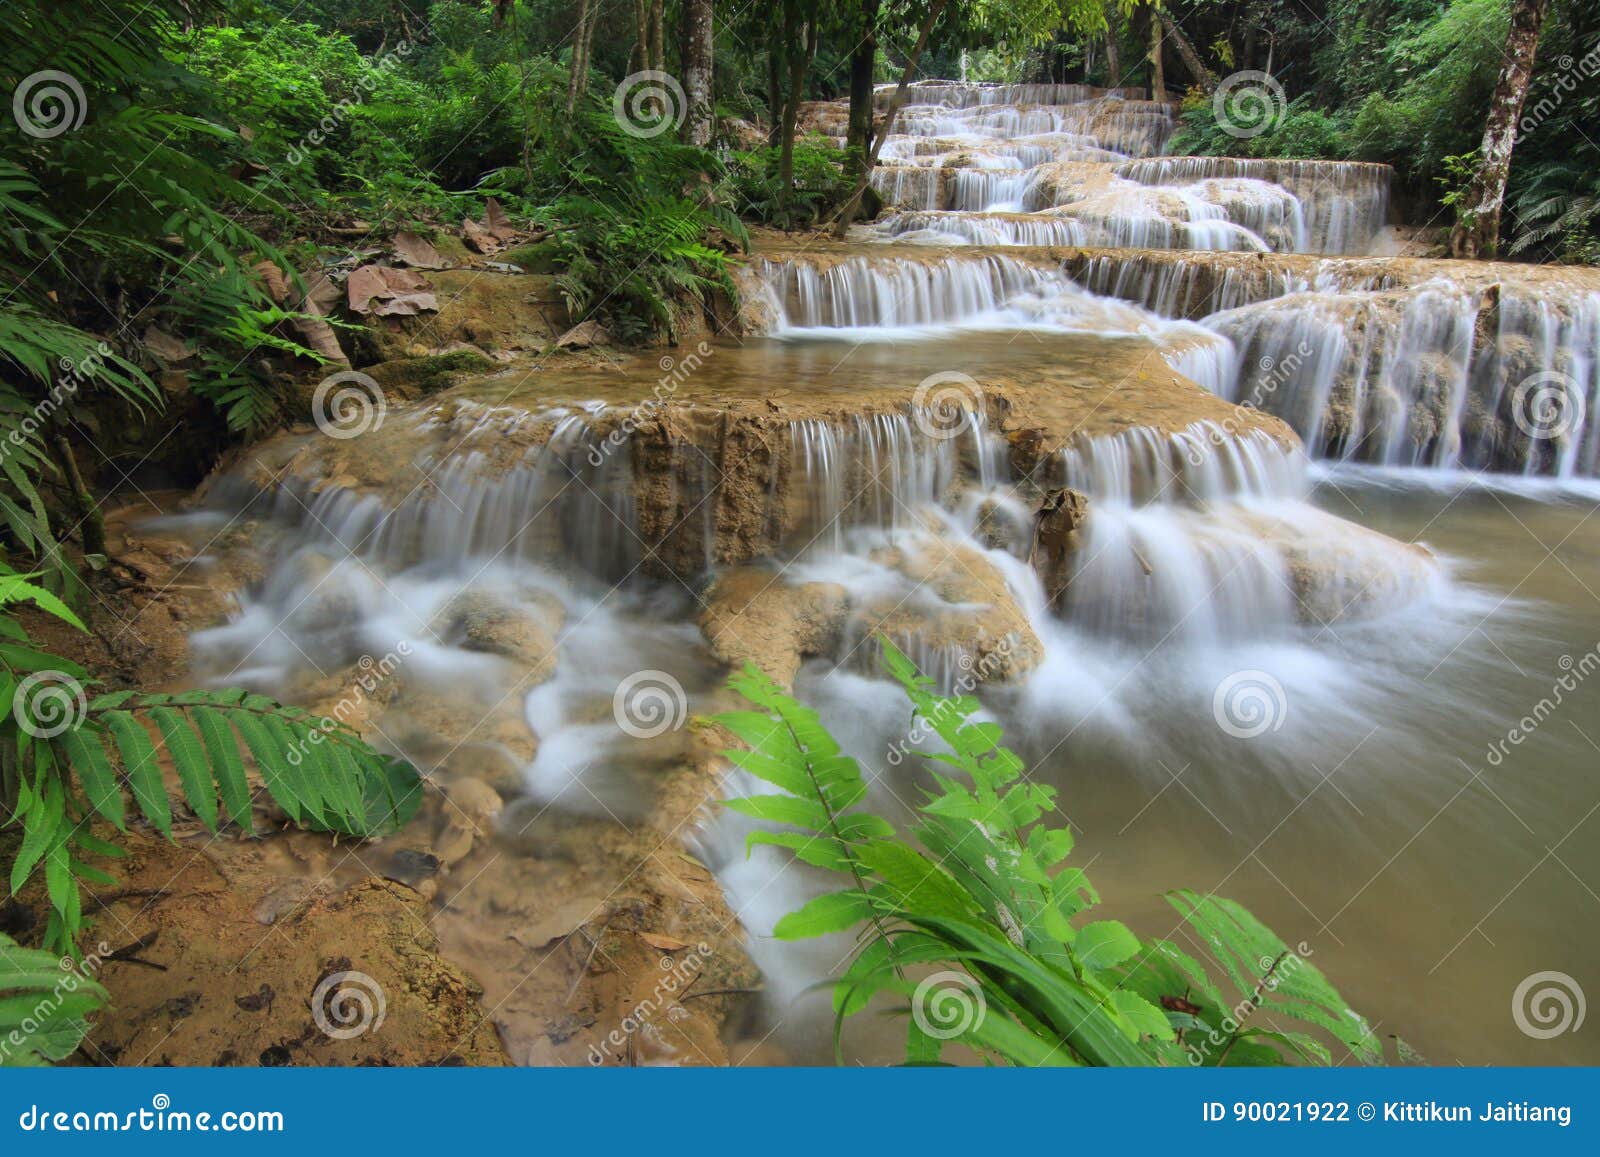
1287	678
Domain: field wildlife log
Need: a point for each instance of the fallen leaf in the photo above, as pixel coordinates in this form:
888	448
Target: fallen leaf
496	221
418	252
560	923
665	943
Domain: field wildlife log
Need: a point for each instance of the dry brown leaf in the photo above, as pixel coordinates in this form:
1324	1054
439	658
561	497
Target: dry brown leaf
418	252
563	921
496	221
388	292
665	943
478	238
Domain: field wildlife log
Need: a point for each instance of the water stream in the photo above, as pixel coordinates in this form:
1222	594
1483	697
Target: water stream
1284	673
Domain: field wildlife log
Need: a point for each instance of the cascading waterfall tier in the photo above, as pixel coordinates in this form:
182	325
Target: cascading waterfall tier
1089	159
1205	537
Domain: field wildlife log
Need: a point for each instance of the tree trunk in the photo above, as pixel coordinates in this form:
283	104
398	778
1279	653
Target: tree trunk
700	121
1477	228
639	59
576	63
847	211
658	51
777	68
85	510
1113	52
1158	77
863	62
1198	72
800	56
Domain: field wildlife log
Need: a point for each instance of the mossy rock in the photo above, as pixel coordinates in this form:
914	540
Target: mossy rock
430	373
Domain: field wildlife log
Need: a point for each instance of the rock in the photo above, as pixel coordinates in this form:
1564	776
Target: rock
169	349
475	800
960	614
1057	534
583	335
525	635
753	615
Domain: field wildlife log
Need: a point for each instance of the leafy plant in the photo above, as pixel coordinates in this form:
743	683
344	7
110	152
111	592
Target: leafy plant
43	1008
66	761
986	889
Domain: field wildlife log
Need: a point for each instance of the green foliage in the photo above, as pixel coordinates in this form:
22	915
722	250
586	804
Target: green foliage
987	889
753	184
66	759
43	1007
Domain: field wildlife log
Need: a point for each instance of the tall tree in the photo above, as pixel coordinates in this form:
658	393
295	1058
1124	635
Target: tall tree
1477	228
863	63
1158	76
698	34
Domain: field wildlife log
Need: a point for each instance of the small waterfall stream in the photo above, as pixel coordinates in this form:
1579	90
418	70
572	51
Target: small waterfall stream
880	462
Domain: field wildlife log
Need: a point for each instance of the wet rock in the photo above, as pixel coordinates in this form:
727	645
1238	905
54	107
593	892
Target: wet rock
583	335
411	866
1057	534
523	634
960	617
753	615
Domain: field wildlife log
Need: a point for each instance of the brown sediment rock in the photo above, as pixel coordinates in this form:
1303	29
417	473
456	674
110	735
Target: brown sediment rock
754	616
231	959
960	610
521	633
489	310
1057	534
